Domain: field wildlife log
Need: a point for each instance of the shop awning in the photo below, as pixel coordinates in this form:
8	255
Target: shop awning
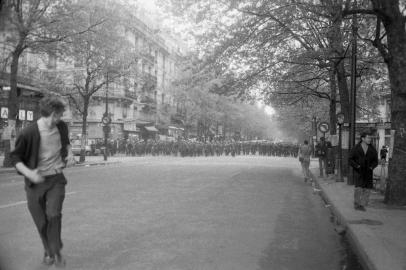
151	128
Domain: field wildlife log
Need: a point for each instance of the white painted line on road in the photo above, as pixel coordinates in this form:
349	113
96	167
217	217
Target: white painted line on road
24	202
12	204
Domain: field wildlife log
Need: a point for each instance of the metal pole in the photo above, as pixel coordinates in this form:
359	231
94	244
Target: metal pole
340	155
106	113
314	135
353	88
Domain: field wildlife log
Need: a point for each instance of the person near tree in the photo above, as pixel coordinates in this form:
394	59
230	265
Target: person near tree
41	152
364	159
383	154
321	153
304	157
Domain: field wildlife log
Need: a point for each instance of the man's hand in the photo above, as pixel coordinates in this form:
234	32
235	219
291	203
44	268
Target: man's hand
35	177
31	174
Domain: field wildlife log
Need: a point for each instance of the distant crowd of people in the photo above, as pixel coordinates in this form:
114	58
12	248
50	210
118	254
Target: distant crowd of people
197	148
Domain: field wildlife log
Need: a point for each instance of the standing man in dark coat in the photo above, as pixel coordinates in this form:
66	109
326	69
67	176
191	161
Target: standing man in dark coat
321	153
364	159
41	152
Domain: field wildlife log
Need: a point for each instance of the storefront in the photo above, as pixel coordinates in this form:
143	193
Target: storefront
130	130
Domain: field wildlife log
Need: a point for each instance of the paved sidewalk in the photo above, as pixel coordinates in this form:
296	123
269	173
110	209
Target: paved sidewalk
378	236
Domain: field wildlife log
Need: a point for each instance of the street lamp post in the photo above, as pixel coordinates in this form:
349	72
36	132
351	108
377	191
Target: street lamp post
340	121
106	119
314	137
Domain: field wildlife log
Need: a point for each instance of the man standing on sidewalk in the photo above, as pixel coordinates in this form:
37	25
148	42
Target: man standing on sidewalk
321	153
364	159
42	150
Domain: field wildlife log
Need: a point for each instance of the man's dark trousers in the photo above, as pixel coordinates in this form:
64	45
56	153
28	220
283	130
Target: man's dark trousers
44	202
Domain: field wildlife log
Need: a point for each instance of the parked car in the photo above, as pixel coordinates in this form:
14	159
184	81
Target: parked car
76	147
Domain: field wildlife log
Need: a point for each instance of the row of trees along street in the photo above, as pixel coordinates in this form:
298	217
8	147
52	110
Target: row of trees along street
79	31
297	55
199	103
92	35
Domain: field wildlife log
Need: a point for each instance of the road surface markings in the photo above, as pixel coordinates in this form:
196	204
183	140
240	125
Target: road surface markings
24	202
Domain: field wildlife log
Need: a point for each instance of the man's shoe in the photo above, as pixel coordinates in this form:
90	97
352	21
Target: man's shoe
60	261
48	260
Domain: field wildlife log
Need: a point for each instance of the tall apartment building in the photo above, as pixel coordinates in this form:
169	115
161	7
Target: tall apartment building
139	105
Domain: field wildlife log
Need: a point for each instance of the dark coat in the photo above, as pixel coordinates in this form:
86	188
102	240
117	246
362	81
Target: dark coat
27	146
363	165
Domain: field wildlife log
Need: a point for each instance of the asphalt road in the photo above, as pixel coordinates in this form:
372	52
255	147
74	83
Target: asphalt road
179	213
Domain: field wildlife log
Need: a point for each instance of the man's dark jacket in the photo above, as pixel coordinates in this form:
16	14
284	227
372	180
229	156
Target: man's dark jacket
363	165
27	146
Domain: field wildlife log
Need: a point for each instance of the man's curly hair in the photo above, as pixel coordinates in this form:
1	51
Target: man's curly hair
51	104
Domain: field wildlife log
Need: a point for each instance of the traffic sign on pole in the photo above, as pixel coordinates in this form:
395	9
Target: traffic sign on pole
324	127
106	120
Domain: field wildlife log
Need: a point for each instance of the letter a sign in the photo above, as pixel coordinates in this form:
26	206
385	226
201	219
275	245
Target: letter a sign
4	112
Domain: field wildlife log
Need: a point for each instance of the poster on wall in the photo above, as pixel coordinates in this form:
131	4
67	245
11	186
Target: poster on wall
334	140
345	136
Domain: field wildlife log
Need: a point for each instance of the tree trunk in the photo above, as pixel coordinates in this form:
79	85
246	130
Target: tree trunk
338	55
394	23
84	129
333	100
343	90
12	106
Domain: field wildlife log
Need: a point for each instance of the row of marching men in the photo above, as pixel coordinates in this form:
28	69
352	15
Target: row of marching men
215	148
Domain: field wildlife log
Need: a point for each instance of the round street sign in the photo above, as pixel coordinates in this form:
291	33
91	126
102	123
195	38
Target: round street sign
324	127
106	120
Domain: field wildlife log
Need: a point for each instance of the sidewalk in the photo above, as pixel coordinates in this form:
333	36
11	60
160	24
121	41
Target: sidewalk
378	236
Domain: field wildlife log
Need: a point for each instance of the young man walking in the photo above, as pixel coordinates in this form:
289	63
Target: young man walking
304	157
364	159
41	152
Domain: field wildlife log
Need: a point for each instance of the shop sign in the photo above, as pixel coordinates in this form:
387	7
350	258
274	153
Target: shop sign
130	126
345	137
30	115
4	112
21	114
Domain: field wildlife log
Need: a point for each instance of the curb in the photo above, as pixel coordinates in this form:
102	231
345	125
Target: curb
355	244
4	171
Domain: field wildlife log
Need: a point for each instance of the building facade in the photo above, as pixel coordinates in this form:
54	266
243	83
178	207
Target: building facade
138	104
